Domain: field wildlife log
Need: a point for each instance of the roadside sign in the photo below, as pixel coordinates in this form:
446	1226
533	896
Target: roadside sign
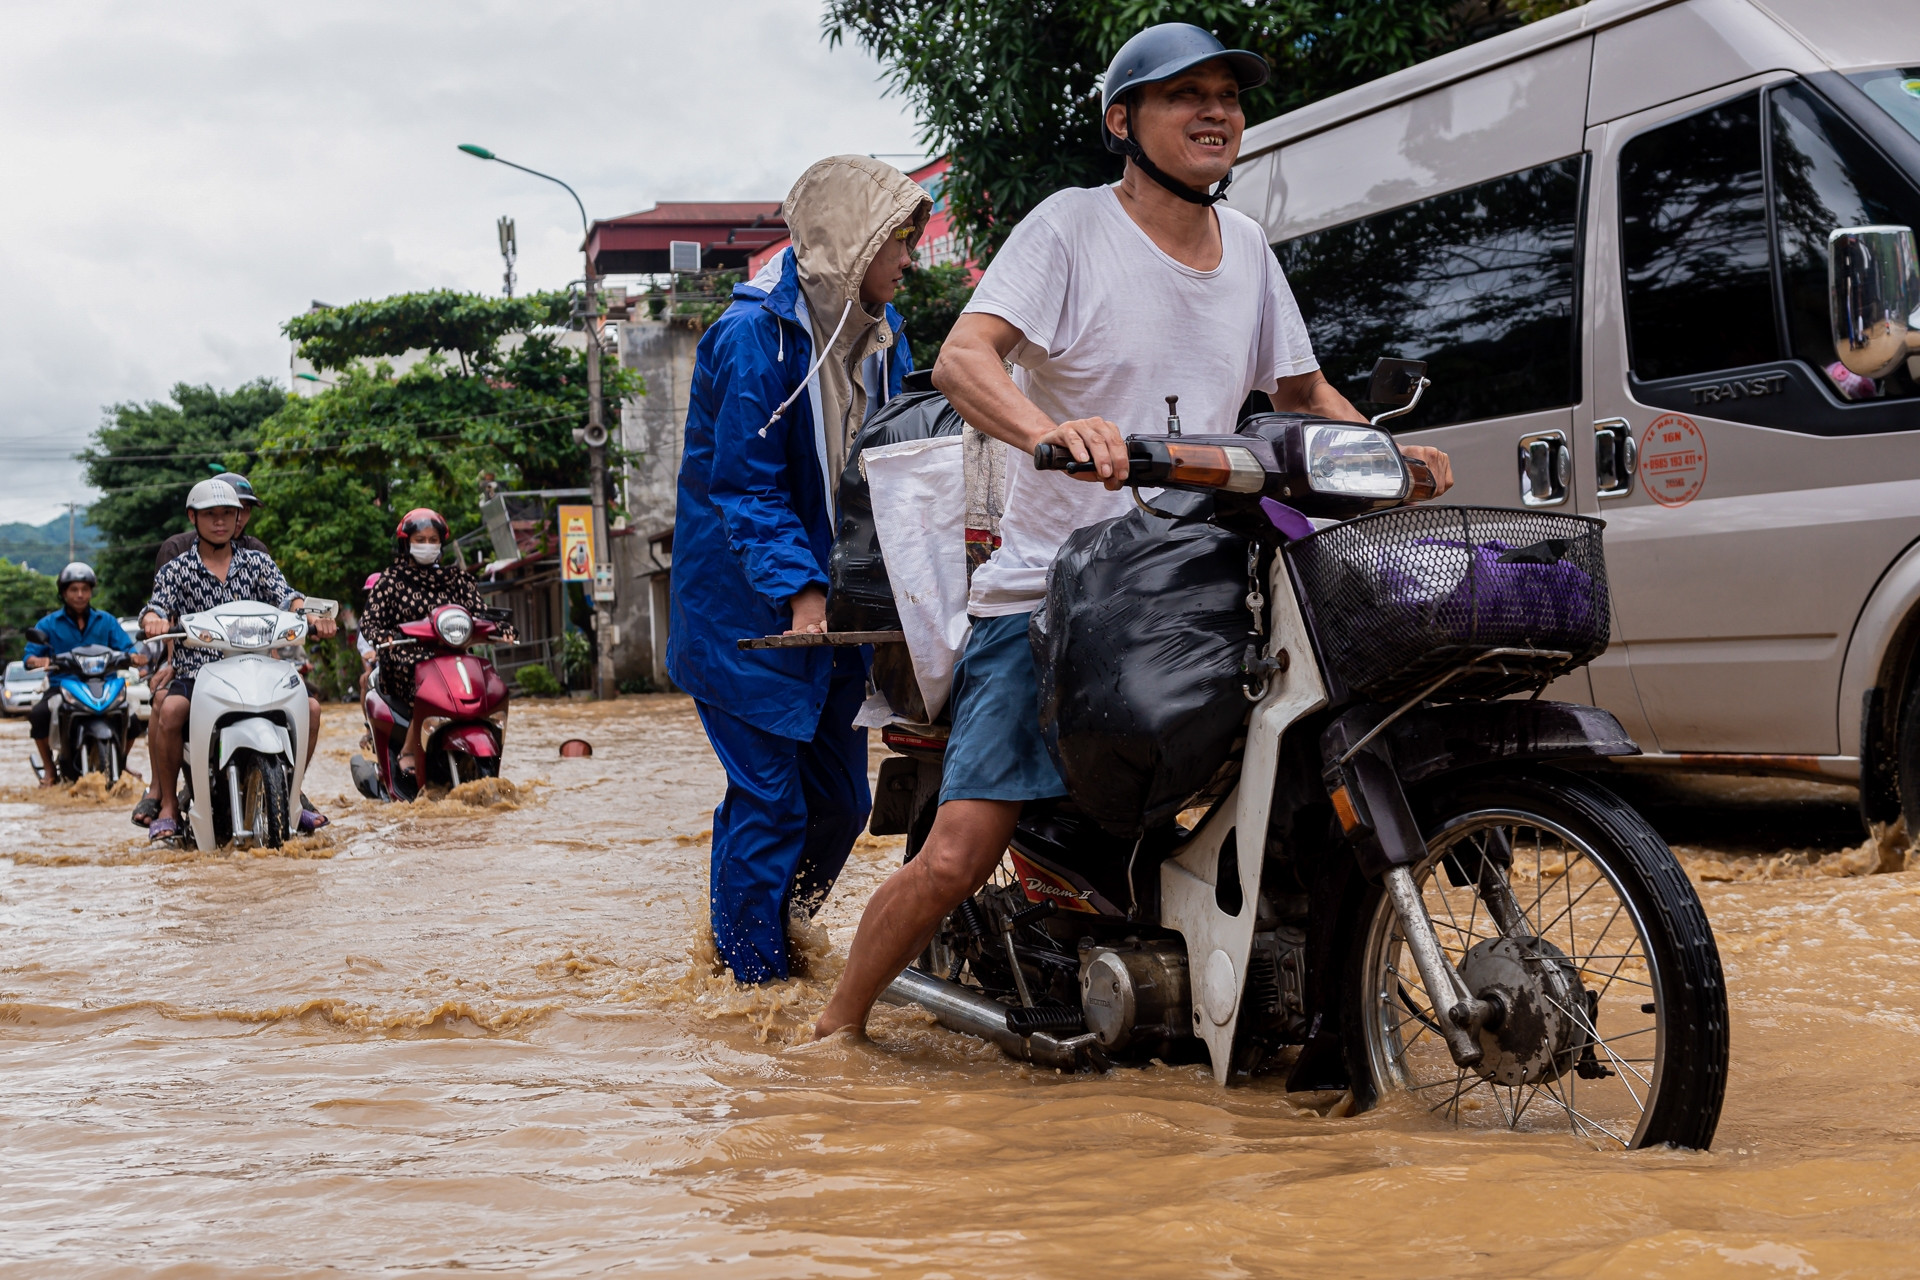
576	544
603	583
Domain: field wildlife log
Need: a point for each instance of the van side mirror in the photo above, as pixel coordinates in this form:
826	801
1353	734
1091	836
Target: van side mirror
1395	381
35	635
1873	294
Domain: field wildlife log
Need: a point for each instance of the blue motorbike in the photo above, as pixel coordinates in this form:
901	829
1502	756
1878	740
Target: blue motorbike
92	715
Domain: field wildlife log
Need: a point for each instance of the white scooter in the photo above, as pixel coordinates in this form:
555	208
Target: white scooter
246	742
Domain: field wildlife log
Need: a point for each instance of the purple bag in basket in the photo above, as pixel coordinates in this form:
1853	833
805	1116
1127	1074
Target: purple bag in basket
1491	593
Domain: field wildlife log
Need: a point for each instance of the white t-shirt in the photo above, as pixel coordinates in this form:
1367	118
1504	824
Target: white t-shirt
1112	326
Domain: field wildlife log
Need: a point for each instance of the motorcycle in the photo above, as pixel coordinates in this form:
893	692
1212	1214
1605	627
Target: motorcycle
92	713
247	725
462	701
1415	886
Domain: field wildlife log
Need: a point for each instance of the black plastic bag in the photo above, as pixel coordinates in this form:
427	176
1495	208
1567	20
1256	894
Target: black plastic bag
1142	650
859	597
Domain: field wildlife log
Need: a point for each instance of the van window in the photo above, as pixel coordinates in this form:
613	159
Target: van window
1897	91
1825	175
1694	241
1479	283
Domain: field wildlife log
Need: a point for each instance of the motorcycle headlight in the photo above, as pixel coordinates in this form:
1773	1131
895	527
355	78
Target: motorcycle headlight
248	631
1355	461
93	666
454	625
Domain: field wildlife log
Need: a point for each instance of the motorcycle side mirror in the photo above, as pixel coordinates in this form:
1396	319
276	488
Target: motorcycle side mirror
315	607
1394	382
1873	298
35	635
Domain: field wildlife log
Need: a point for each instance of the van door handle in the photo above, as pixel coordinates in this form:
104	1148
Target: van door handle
1616	458
1546	469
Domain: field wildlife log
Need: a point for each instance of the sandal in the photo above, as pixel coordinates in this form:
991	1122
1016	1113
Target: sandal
163	829
146	811
310	821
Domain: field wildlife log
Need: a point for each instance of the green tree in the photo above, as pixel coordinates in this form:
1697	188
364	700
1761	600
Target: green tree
929	301
25	598
1009	89
500	393
144	458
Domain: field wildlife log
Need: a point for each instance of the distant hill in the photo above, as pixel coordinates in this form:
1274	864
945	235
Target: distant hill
43	547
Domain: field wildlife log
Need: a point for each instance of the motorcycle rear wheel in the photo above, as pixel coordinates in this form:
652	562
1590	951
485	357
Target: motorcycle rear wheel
1640	1059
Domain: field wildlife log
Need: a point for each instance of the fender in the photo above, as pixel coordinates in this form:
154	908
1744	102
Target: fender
1879	638
474	739
99	727
256	733
1430	741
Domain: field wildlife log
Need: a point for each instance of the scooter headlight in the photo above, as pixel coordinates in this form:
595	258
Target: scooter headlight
1355	461
93	665
248	631
454	625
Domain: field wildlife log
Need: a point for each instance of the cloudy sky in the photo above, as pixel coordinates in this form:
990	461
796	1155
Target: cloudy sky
176	179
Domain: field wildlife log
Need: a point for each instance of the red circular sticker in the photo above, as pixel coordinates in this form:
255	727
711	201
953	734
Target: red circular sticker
1673	460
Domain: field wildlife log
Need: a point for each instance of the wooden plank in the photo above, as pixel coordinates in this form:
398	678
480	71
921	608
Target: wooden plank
815	639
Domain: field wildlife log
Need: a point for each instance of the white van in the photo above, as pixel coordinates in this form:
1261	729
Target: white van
1608	233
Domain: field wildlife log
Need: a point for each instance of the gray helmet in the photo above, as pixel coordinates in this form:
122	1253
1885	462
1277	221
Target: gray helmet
1161	53
212	493
78	571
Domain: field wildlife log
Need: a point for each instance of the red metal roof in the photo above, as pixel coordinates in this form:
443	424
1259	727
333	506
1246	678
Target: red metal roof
728	233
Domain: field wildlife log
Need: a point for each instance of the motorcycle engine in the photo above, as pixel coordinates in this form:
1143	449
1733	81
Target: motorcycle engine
1136	994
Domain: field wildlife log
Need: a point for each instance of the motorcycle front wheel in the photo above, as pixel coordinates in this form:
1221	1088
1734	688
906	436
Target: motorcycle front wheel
103	758
1563	909
263	798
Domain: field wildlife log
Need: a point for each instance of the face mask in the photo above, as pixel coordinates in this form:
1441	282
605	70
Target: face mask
424	552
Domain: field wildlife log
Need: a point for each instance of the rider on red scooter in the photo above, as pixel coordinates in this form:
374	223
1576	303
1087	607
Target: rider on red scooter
417	583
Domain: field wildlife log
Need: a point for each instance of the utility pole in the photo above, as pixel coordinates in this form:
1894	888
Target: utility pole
595	434
596	437
70	507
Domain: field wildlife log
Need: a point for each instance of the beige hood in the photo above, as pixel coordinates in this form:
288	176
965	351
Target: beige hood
839	213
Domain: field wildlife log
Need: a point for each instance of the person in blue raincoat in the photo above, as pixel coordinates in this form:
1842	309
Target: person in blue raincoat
781	384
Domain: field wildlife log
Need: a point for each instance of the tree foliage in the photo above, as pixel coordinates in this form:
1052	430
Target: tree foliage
337	469
469	325
1009	89
144	458
929	301
25	598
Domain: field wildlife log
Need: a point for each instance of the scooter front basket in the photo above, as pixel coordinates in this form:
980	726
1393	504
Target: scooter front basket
1505	600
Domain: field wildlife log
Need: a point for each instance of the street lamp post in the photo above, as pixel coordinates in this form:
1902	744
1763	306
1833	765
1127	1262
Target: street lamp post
595	435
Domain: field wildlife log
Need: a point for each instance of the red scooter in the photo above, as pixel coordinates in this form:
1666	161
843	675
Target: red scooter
462	701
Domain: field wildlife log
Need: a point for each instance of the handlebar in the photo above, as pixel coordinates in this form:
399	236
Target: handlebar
1424	485
1057	457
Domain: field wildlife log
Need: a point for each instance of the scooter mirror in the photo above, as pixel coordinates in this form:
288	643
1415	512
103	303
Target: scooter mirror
35	635
315	607
1394	381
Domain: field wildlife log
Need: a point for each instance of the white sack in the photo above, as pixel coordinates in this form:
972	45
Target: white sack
919	494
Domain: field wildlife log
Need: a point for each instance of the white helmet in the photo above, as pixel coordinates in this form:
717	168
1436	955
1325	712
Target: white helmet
209	494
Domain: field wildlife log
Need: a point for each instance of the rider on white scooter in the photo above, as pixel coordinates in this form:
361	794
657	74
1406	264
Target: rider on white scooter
211	572
1106	300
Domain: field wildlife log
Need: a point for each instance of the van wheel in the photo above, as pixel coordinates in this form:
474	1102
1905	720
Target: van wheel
1906	763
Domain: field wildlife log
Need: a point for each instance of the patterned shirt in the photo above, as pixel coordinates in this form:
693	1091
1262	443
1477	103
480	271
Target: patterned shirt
185	585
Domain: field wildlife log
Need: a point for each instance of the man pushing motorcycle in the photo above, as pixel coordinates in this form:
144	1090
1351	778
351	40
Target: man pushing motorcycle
211	572
1106	300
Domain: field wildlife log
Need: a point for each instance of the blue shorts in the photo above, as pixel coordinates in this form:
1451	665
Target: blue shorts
994	750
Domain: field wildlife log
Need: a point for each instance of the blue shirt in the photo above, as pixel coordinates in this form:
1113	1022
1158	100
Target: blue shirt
63	634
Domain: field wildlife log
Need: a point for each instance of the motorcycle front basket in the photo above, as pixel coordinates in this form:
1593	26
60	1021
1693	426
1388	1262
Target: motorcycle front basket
1504	600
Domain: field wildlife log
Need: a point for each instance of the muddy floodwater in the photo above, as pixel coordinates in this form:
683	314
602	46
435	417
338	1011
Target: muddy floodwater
484	1034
